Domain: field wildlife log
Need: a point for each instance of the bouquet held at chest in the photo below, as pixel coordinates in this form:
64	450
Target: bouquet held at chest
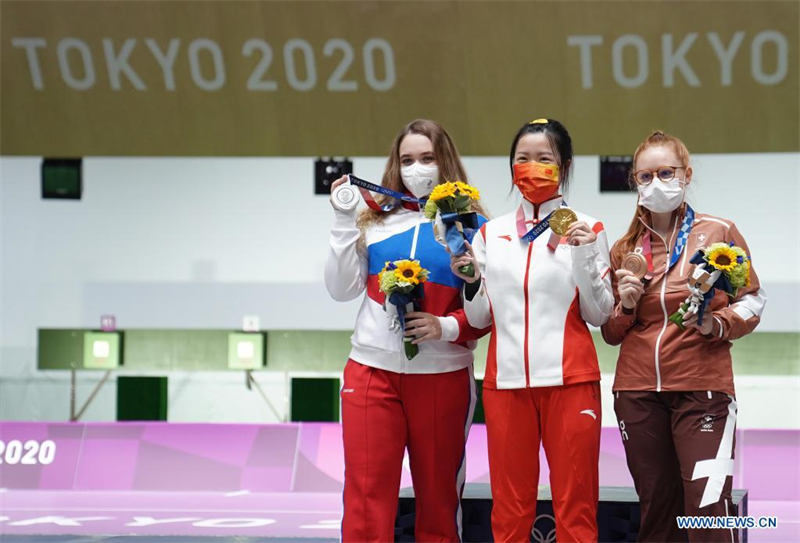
719	266
450	208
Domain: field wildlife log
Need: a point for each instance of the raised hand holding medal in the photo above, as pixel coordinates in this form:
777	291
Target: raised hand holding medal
635	263
344	197
564	222
633	269
561	219
577	232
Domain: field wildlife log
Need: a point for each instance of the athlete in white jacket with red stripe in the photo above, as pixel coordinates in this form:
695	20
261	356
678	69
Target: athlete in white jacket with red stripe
542	377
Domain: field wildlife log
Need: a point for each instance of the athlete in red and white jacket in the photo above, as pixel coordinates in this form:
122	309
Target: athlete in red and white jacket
390	403
541	296
542	378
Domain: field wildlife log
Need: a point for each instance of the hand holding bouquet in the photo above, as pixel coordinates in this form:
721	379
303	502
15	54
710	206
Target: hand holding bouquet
401	282
721	265
450	207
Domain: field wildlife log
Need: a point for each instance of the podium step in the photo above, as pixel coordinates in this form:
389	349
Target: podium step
617	514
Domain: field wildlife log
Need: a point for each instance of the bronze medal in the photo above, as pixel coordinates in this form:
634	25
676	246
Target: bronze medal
635	263
561	219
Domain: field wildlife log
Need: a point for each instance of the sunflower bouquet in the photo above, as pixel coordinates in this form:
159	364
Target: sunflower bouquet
450	207
401	281
721	265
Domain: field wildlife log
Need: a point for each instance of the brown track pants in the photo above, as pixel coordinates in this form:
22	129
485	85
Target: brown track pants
679	447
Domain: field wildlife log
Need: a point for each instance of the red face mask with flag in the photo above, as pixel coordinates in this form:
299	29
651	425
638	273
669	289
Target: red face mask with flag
537	181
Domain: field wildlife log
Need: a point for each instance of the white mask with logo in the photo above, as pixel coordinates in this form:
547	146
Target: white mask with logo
420	179
662	197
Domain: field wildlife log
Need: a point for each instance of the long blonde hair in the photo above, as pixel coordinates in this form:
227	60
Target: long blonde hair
447	159
641	216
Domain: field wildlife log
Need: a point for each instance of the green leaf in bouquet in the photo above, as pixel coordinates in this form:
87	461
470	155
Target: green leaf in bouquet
430	210
388	282
410	349
462	203
448	205
738	276
403	287
677	317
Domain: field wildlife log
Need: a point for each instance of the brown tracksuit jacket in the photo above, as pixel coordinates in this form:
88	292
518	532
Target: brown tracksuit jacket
656	355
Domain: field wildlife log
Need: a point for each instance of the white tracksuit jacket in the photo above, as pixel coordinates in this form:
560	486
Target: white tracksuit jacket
538	302
348	273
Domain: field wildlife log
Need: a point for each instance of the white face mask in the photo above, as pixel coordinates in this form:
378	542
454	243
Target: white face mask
662	197
420	179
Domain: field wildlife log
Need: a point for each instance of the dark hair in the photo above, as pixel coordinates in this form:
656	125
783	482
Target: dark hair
559	140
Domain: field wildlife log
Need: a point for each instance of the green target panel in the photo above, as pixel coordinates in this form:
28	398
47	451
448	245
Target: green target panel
315	399
102	350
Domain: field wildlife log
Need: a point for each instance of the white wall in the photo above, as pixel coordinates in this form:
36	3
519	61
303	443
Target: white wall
222	397
200	242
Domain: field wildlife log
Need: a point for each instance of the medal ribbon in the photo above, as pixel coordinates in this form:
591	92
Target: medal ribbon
683	235
538	229
366	186
677	250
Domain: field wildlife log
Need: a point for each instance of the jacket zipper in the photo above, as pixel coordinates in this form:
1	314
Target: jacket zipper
663	305
411	255
527	317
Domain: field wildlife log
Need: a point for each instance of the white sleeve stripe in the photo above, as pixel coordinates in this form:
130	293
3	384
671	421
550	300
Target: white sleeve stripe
751	305
721	328
744	312
723	223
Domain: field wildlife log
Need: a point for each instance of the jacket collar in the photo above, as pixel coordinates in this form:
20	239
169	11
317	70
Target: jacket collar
677	218
531	214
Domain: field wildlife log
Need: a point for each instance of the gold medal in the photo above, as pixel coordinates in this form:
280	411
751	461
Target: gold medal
561	219
635	263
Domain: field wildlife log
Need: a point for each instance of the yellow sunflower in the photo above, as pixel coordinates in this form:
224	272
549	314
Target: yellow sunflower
468	190
722	257
409	271
443	190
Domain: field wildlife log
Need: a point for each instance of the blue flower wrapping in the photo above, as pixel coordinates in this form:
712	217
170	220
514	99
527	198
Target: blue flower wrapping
455	239
401	301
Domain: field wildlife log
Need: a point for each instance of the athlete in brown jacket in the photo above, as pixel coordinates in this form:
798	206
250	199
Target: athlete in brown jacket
673	390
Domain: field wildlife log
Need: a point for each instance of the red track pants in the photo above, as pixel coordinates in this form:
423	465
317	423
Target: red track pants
566	420
383	413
